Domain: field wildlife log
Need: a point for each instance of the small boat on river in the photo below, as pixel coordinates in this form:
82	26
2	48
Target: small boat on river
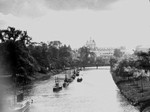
70	80
79	79
77	74
66	82
73	76
57	87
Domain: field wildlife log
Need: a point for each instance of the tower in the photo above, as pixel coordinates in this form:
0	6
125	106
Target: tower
91	44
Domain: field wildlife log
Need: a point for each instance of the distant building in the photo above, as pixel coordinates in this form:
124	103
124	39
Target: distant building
102	52
122	49
142	48
91	44
105	53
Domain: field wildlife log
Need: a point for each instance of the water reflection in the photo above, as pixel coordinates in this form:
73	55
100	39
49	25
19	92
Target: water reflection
96	93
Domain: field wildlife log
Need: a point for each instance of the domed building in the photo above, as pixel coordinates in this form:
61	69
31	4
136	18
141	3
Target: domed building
91	44
100	52
103	53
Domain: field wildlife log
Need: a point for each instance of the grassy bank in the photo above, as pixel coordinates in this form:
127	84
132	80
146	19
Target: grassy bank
44	76
136	91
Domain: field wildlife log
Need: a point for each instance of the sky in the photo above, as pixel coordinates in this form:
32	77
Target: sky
111	23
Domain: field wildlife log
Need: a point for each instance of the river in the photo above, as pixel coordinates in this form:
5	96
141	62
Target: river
96	93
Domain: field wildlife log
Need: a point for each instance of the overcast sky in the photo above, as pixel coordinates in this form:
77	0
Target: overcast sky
110	23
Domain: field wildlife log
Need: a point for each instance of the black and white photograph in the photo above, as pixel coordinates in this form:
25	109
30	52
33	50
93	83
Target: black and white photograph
74	55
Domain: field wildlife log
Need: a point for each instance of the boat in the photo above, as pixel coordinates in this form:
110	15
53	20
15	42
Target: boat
66	82
57	87
77	74
73	76
70	80
74	71
79	79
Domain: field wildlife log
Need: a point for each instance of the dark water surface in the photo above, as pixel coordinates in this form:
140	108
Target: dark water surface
96	93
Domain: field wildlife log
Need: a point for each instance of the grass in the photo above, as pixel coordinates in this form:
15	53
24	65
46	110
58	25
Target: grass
136	91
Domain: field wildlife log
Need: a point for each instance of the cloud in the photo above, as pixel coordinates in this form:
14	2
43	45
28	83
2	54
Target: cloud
35	8
31	8
2	23
78	4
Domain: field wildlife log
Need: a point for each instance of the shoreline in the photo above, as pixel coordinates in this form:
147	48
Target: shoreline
45	76
132	92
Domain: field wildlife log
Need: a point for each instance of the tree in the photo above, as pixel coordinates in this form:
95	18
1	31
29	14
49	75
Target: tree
143	60
85	55
118	53
40	53
56	44
14	44
65	54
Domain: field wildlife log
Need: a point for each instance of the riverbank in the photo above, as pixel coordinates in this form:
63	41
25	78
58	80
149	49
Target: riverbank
135	91
45	76
41	76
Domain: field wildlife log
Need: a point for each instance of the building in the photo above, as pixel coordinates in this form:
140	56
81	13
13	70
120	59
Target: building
104	53
142	48
91	44
100	52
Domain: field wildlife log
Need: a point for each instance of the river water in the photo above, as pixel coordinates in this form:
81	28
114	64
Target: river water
96	93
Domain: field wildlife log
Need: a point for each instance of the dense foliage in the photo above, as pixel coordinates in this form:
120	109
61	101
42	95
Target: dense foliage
134	66
86	57
23	58
50	56
15	56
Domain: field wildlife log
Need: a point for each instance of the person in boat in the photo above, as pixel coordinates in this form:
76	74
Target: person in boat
56	82
66	82
66	79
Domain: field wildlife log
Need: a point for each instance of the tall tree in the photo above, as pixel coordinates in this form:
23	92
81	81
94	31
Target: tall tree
118	53
85	55
14	44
